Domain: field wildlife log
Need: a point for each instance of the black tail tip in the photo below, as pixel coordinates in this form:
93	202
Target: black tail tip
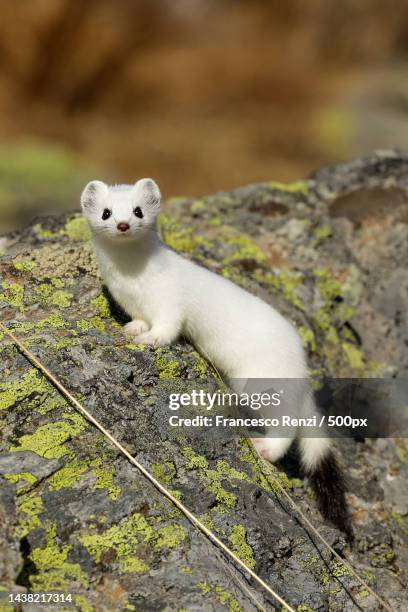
328	482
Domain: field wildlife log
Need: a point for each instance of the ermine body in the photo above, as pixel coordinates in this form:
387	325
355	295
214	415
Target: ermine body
168	296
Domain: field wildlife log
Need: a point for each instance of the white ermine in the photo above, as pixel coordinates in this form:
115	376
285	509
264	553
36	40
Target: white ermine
168	296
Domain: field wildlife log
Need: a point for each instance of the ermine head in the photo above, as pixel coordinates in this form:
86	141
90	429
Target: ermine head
122	213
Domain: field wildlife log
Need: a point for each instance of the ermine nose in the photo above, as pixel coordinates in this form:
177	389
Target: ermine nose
123	227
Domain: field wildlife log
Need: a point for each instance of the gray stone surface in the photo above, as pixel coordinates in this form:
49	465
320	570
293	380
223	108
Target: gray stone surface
331	254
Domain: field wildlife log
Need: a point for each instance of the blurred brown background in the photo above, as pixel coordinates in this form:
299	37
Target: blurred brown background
203	95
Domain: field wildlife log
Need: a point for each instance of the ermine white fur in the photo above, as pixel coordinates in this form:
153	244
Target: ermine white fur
168	296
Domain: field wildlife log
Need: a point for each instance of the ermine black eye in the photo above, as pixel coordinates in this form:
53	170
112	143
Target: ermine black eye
106	214
138	212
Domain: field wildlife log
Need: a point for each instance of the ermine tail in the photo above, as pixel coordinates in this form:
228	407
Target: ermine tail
327	480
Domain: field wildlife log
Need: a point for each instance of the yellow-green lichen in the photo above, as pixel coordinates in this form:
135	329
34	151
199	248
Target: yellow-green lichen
164	472
322	232
244	249
354	355
177	236
197	206
194	461
212	478
328	285
339	569
13	295
104	475
83	604
339	346
24	266
385	555
78	229
401	522
124	539
71	472
48	296
226	599
55	572
204	587
29	385
134	565
226	499
26	477
200	367
294	187
168	368
30	506
68	475
307	336
49	440
265	475
102	306
91	323
241	547
286	283
44	233
170	536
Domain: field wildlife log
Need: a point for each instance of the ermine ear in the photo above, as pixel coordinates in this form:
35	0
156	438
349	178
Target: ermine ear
92	193
149	191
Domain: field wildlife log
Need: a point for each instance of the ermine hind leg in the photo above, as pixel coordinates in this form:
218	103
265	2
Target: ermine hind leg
272	449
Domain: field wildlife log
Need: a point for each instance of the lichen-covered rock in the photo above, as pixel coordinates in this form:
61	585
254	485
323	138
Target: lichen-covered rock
331	254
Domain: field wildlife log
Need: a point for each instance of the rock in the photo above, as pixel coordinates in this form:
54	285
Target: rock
77	516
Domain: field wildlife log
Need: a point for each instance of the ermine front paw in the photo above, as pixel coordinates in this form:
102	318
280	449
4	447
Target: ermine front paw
151	338
136	327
